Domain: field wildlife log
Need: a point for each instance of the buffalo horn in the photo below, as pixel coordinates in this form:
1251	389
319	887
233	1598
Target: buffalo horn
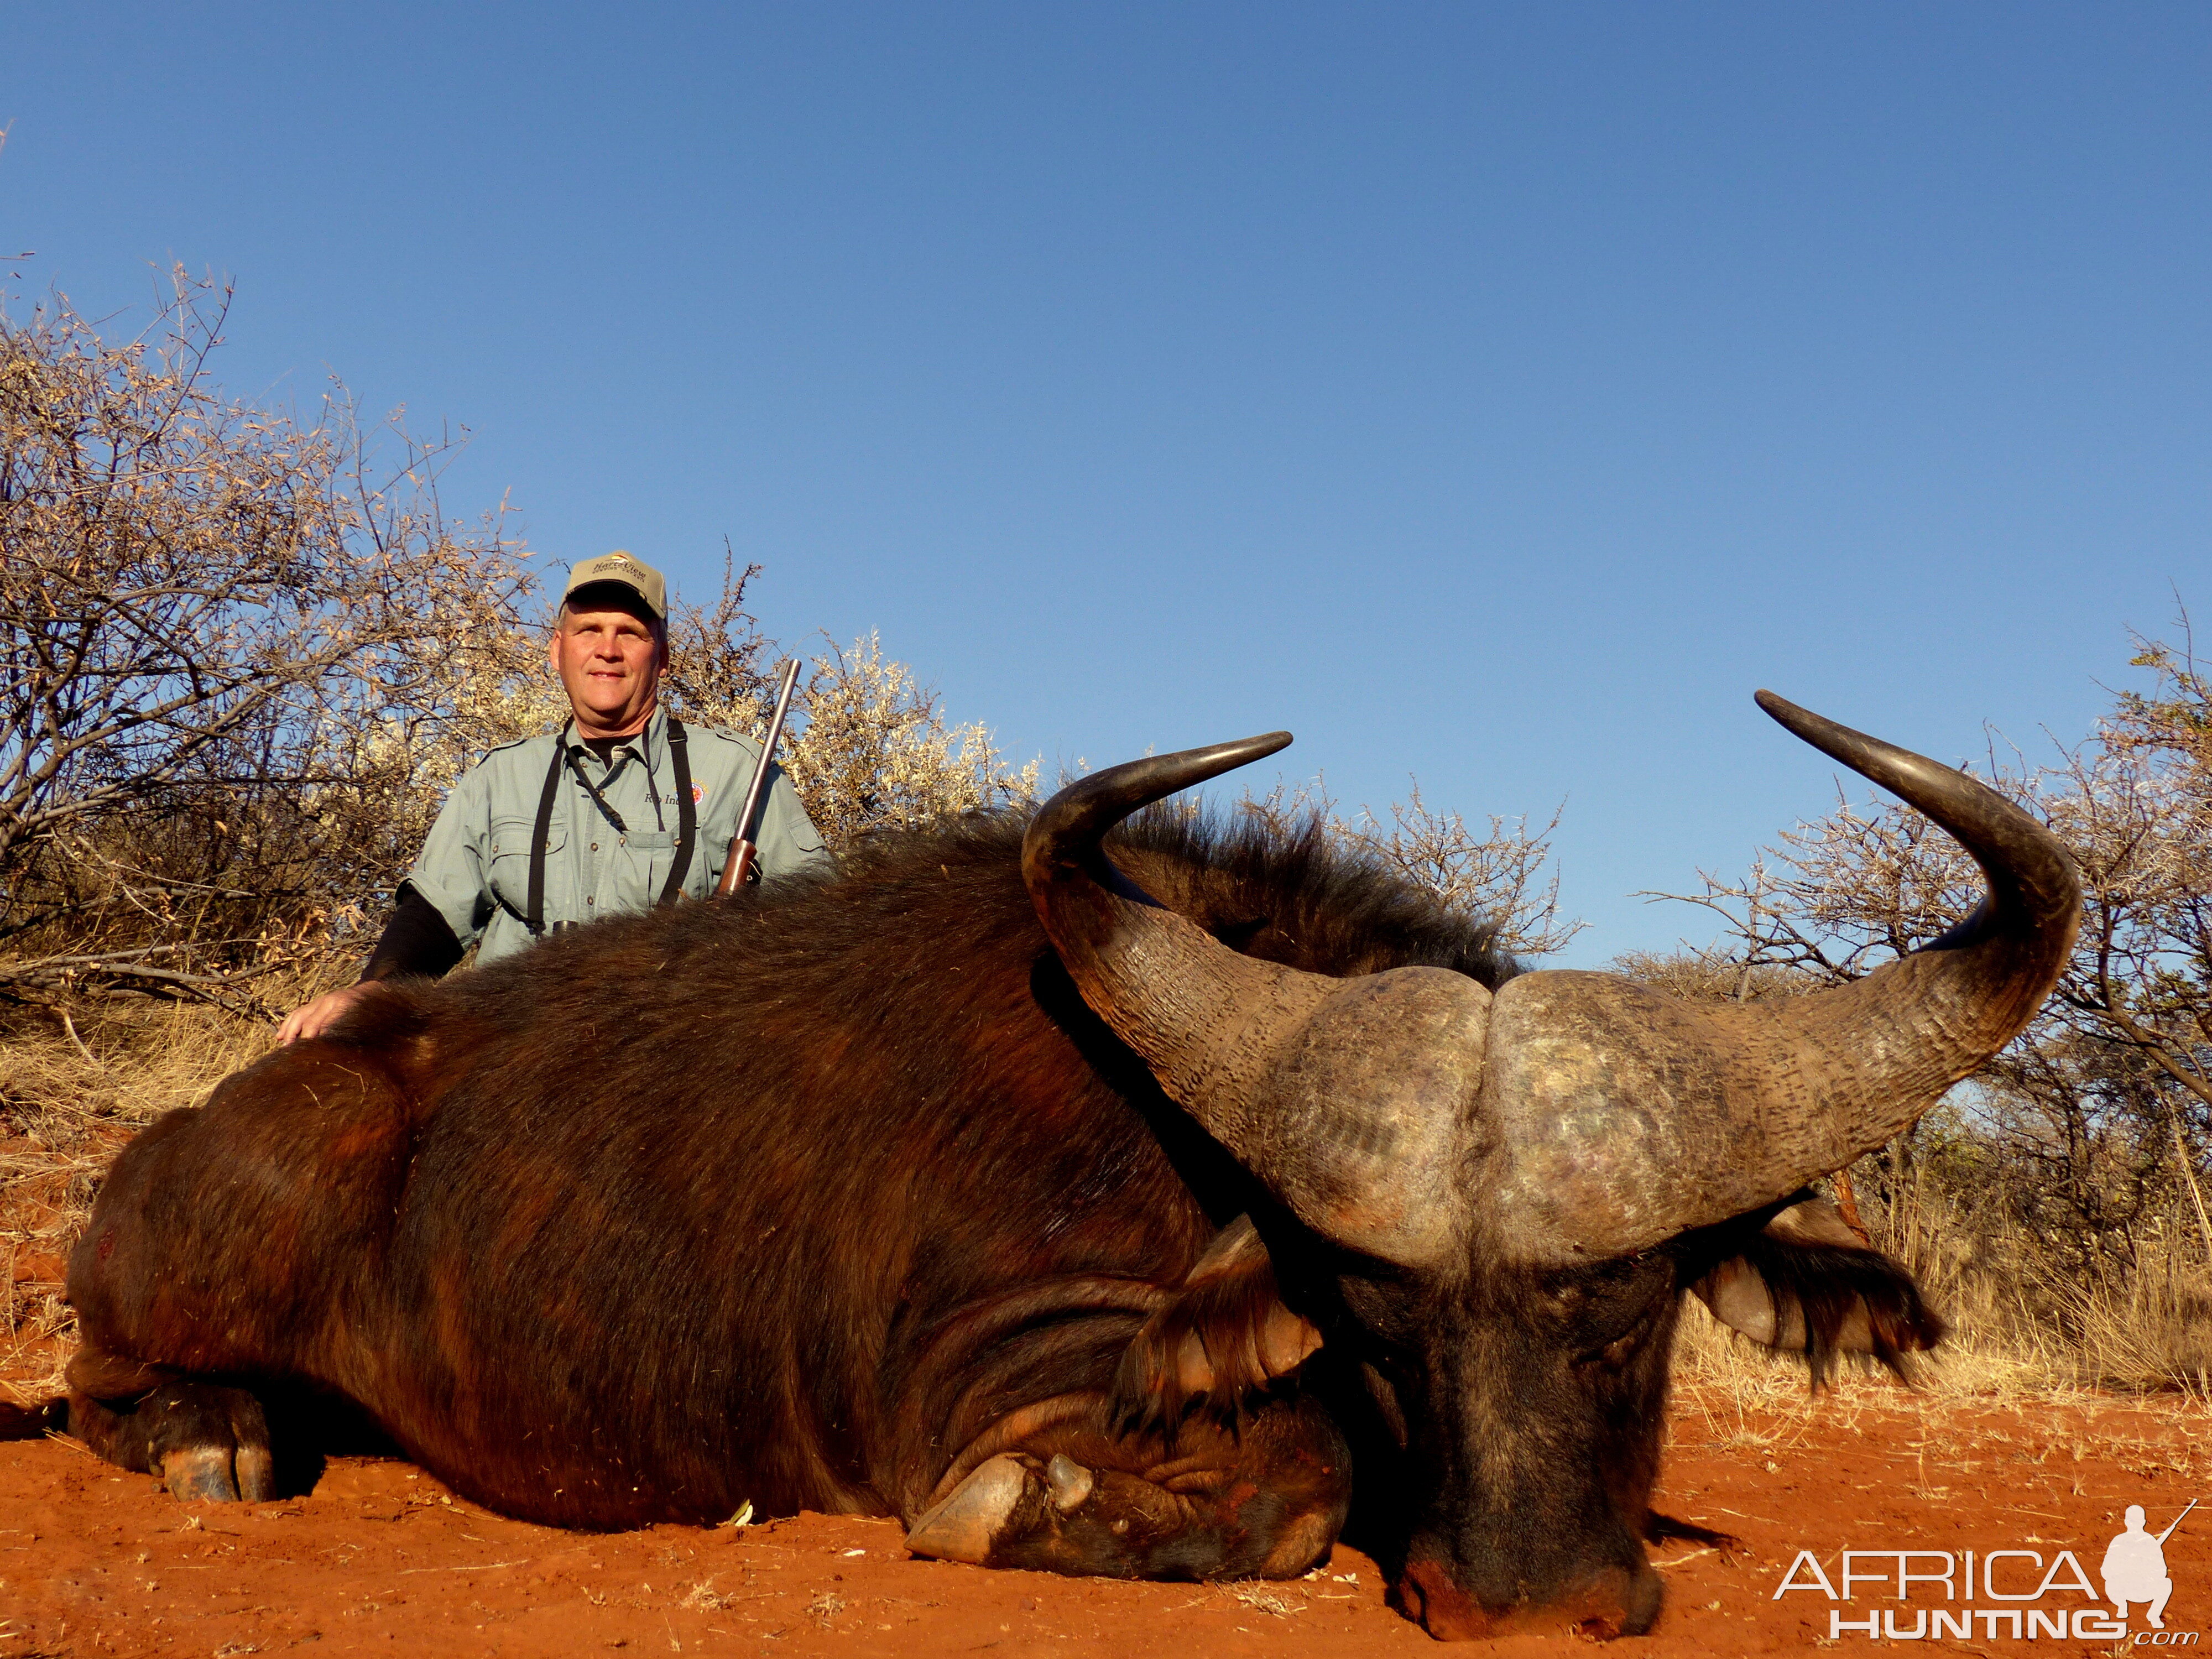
1624	1116
1344	1097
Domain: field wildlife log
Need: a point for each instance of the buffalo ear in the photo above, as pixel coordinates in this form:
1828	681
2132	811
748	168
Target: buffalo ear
1806	1284
1225	1336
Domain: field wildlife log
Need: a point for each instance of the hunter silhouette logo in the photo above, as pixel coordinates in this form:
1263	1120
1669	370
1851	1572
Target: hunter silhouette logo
2014	1593
2135	1566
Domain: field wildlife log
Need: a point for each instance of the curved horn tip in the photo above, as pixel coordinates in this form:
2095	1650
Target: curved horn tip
1789	715
2016	851
1076	817
1139	782
1219	757
1871	758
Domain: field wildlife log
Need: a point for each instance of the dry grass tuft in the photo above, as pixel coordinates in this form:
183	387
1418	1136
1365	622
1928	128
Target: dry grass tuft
1262	1598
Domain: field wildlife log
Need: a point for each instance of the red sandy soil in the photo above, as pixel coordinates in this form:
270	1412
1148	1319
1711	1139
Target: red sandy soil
379	1558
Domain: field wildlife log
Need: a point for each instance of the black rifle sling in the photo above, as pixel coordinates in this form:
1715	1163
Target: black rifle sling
687	822
534	917
687	810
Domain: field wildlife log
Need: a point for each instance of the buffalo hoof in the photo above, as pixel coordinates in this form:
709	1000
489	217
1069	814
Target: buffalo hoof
1666	1529
1069	1481
217	1475
207	1444
199	1474
1055	1515
964	1527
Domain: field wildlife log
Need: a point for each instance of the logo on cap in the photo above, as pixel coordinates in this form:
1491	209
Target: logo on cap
624	569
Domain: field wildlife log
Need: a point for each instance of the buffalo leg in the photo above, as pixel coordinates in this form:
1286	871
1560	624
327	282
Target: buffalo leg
1265	1503
201	1440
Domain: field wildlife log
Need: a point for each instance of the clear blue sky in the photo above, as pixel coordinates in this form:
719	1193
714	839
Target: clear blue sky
1493	393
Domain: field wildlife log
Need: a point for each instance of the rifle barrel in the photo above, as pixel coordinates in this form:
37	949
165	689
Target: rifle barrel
742	848
2178	1520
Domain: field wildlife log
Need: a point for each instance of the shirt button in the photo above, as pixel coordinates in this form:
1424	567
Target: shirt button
595	847
589	900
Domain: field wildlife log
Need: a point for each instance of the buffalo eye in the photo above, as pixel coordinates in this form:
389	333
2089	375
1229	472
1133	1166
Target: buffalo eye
1613	1355
1611	1312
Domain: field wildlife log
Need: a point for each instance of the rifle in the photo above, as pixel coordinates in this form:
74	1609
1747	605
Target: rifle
744	853
2178	1520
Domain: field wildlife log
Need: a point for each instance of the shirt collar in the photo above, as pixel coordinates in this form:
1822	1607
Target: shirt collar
648	744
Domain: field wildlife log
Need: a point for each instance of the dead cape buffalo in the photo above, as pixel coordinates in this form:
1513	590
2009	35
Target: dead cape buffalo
1130	1215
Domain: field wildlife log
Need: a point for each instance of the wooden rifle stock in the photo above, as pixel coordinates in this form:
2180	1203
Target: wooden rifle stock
744	852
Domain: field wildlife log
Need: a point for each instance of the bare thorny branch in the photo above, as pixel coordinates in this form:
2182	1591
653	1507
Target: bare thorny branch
211	616
1503	874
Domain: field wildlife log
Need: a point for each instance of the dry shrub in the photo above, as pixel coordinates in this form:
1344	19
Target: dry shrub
1503	875
876	751
225	632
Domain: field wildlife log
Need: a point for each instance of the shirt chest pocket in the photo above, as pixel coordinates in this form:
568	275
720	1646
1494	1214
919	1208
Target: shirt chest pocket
642	860
510	865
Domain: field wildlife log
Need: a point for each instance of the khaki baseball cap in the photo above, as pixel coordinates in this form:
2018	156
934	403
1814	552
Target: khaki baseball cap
619	568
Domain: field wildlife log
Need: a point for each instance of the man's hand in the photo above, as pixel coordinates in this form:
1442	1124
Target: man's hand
326	1009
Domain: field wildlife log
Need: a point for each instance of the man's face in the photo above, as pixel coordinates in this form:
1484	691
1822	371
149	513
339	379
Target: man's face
609	657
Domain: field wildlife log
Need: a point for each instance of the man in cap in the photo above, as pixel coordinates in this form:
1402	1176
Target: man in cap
621	809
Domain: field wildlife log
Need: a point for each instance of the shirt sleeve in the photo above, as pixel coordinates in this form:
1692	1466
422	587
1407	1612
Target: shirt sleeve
416	940
452	875
790	845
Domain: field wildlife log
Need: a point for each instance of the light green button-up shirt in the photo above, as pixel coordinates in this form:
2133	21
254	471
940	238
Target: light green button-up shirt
474	868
